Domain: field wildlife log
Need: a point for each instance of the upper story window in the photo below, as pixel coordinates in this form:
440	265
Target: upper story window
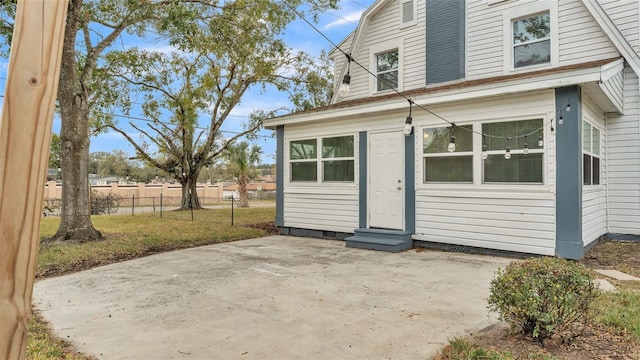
532	40
387	70
335	162
531	36
590	154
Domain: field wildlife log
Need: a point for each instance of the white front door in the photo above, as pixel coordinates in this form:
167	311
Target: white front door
386	180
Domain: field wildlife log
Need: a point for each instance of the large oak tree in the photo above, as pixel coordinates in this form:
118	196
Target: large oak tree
94	28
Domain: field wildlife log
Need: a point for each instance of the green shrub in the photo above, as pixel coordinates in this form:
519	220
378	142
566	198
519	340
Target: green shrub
543	296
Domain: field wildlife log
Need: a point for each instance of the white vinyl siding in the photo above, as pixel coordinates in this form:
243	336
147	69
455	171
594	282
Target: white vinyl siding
581	39
494	220
326	209
594	197
614	89
624	14
384	27
623	162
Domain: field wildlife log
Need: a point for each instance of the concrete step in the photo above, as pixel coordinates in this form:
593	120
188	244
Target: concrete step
380	239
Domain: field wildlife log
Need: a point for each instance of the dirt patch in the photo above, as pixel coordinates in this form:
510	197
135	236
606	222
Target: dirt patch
594	343
269	226
615	255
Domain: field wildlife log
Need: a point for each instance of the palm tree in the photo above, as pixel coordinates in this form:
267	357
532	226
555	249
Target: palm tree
242	160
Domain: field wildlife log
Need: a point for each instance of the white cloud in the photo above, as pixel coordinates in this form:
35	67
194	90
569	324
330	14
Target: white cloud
345	19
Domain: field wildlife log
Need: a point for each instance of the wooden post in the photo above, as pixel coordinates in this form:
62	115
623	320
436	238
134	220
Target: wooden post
25	134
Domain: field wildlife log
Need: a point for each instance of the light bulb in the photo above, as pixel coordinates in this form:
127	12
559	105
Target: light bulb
344	87
560	120
526	149
452	144
484	152
507	153
568	107
540	141
344	90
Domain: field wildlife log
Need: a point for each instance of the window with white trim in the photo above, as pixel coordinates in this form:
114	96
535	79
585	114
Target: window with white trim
387	64
531	40
590	154
335	162
530	36
441	165
525	164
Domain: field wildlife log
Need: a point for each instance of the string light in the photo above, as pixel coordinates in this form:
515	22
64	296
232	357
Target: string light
451	147
507	151
526	146
484	148
560	119
407	124
346	79
452	140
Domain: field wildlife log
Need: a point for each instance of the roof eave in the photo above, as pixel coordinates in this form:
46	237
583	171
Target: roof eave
432	96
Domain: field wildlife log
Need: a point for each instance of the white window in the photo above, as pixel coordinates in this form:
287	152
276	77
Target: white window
408	13
531	40
442	165
335	163
387	70
531	36
524	165
386	64
590	154
526	162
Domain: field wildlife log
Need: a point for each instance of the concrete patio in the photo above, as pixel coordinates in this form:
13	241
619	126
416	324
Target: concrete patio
272	298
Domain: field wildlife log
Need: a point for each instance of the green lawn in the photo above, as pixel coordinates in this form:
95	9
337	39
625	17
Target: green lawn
129	237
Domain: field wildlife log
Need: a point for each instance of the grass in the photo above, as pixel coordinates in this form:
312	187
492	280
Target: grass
461	349
43	345
129	237
621	311
135	236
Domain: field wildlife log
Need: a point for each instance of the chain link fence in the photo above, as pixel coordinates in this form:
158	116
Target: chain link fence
114	204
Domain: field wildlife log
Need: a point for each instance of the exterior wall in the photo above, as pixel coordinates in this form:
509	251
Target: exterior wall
623	160
320	206
509	217
624	13
384	28
594	197
580	39
614	88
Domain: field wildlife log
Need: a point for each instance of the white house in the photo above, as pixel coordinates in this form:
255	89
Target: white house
552	83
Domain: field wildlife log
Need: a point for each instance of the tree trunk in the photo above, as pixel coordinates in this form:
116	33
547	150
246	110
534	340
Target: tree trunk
243	202
190	198
75	221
